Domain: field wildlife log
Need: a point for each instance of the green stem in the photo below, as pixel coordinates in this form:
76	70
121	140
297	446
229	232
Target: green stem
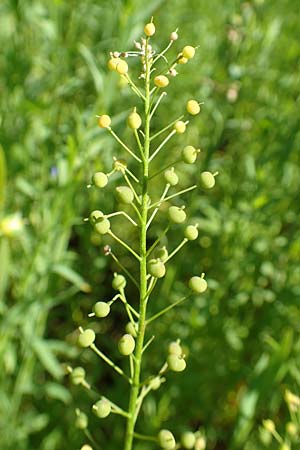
134	391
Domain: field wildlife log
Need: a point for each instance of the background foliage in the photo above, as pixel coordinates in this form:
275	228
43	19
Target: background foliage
243	335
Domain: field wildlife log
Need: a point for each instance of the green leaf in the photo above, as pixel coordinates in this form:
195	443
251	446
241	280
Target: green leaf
47	358
73	277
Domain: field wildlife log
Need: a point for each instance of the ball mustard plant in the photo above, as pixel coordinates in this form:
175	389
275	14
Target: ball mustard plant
135	181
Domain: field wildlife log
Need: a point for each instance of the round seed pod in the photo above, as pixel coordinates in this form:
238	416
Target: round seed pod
193	107
176	215
171	176
86	447
175	349
77	375
81	421
134	121
119	282
161	81
131	329
149	29
188	52
162	254
175	363
166	440
124	194
198	285
126	344
180	127
100	179
102	226
189	154
174	36
86	338
96	216
112	63
101	309
191	232
156	268
122	67
200	443
207	180
181	59
104	121
291	429
155	383
102	408
188	440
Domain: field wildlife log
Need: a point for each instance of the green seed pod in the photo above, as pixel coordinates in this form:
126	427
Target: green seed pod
86	447
180	127
77	375
126	345
149	29
131	329
156	268
188	52
198	284
102	226
81	420
193	107
162	254
176	215
171	176
104	121
134	121
124	194
166	440
119	282
100	179
155	383
189	154
161	81
175	349
188	440
207	180
96	216
191	232
86	338
175	363
102	408
101	309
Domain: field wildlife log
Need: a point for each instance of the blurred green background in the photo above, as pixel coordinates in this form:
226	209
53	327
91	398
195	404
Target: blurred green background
242	336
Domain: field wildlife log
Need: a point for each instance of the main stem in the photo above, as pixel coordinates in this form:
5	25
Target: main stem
134	392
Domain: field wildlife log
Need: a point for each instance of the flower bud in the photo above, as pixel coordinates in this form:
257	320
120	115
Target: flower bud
175	363
86	338
180	127
161	81
188	440
101	309
102	408
171	176
155	383
119	282
131	329
162	253
189	154
126	345
207	180
188	52
191	232
149	29
100	179
156	268
176	215
102	226
198	284
193	107
122	67
173	36
104	121
124	194
134	121
77	375
166	440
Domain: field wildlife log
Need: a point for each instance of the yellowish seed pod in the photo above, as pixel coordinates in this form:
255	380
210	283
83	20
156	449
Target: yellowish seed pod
161	81
180	127
134	121
104	121
149	29
188	52
193	107
122	67
112	63
182	59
